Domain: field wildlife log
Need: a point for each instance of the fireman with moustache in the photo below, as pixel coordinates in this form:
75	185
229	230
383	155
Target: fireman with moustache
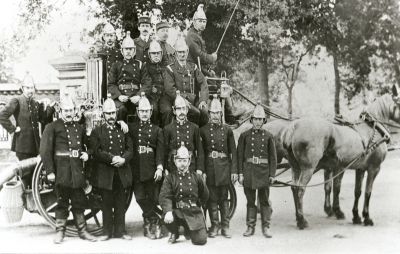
188	79
220	167
182	195
162	33
127	79
112	152
62	150
142	42
182	130
147	166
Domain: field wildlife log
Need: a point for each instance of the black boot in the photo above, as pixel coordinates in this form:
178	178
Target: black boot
152	228
157	229
80	223
61	225
214	217
172	238
147	227
265	220
251	218
225	219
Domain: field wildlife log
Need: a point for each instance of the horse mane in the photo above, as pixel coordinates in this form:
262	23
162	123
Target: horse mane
380	107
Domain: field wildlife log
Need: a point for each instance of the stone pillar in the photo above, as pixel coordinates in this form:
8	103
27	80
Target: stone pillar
72	75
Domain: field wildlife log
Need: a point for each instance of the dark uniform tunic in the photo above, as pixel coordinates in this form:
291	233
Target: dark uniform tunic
193	87
188	132
257	162
130	78
142	49
60	148
156	72
106	142
110	56
168	53
197	49
28	113
260	145
220	153
148	153
184	194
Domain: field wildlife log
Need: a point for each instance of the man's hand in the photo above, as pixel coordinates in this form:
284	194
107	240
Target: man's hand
199	172
166	172
84	156
117	161
214	56
271	180
158	174
135	99
123	98
234	178
17	129
51	177
124	126
241	178
203	105
169	218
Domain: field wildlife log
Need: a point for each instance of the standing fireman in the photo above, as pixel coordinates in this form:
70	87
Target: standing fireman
182	195
220	167
28	113
143	42
112	151
147	166
182	130
155	70
110	52
188	79
127	79
63	153
257	166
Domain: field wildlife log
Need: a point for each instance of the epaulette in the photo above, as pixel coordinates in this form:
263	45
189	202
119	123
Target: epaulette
140	63
169	68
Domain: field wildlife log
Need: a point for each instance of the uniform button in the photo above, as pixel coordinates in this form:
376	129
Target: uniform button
189	177
190	183
68	136
69	142
252	150
119	135
140	134
190	189
177	137
70	149
140	129
187	137
177	131
109	148
180	190
67	130
212	135
111	142
79	143
140	140
180	183
180	178
212	140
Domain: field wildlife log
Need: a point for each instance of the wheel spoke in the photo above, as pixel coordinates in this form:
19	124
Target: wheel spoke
51	207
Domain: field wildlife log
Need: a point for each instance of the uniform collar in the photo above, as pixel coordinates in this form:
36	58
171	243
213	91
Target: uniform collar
142	123
111	127
183	173
128	60
144	38
181	122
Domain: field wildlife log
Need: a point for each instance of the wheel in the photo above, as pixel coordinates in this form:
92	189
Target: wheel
232	199
46	202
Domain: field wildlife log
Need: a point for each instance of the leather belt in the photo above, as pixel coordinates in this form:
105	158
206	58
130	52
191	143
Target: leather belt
216	154
182	204
128	87
72	153
145	149
257	160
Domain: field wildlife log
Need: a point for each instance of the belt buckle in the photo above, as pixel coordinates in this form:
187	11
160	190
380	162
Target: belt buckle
214	154
142	149
75	153
256	160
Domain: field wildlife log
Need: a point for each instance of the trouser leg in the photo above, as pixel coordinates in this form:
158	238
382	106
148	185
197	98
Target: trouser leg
78	201
119	195
265	210
26	177
213	210
107	209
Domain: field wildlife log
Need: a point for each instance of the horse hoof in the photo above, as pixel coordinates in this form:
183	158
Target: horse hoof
357	220
302	224
328	210
368	222
339	215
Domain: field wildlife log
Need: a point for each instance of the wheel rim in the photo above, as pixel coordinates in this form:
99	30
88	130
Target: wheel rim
46	202
232	199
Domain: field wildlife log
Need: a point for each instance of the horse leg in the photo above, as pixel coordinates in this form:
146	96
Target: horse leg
368	190
357	193
305	177
328	189
295	177
337	182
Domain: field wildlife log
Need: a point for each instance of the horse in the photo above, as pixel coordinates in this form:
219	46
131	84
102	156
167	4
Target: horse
313	143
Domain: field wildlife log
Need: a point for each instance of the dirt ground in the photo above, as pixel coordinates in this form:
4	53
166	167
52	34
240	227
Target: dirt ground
325	235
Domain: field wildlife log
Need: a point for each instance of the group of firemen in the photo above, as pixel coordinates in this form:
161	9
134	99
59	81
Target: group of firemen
174	167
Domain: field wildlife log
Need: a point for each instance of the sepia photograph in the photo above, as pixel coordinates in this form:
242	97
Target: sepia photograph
209	126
